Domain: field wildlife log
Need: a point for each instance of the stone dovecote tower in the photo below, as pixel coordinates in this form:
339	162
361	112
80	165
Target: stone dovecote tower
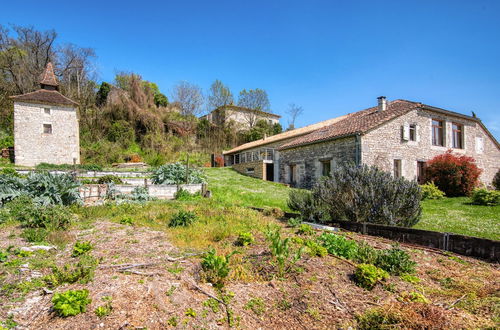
46	125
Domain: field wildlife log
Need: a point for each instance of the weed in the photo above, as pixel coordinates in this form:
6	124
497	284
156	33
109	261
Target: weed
173	321
447	282
367	276
378	319
314	313
390	287
275	212
213	304
9	323
284	305
294	222
176	268
339	245
315	249
366	254
71	302
171	290
410	278
215	267
82	272
244	239
305	229
185	195
395	261
105	310
190	312
81	248
35	235
256	305
413	297
280	249
182	218
127	221
3	256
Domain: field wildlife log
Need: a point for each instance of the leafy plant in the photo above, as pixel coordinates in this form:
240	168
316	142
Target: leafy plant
126	220
106	309
184	195
431	191
81	248
176	174
413	297
294	222
315	249
484	196
256	305
71	302
410	278
109	178
378	319
368	194
396	261
216	267
244	239
281	251
305	229
82	272
339	245
367	276
33	215
496	180
35	235
302	201
182	218
366	254
3	256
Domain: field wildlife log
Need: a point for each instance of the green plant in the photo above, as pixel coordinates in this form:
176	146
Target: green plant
170	291
81	272
106	309
339	245
273	212
81	248
410	278
431	191
281	251
3	256
126	220
71	302
9	323
184	195
33	215
302	201
315	249
413	297
176	174
216	267
182	218
496	180
484	196
109	178
173	321
294	222
190	312
256	305
212	304
35	235
305	229
365	254
367	276
368	194
395	261
244	239
378	319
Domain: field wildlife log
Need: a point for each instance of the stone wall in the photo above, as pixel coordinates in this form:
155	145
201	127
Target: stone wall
33	146
381	146
259	169
308	159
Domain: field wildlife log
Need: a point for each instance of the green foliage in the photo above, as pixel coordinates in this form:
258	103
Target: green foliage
367	276
3	256
81	272
431	191
496	180
395	261
367	194
366	254
216	267
71	302
339	245
81	248
410	278
126	220
160	100
305	229
6	141
301	200
106	309
109	178
9	323
262	128
315	249
484	196
182	218
244	239
256	305
378	319
102	94
121	131
190	312
35	235
176	174
281	251
413	297
294	222
185	195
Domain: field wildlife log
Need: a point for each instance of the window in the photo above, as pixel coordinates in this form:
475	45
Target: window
250	170
397	168
293	174
46	111
47	128
437	133
413	132
326	167
420	172
237	158
457	130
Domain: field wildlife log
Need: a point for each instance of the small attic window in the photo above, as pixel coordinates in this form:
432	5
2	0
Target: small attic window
47	128
46	111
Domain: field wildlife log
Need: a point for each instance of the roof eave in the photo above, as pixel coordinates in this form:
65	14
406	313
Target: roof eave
320	141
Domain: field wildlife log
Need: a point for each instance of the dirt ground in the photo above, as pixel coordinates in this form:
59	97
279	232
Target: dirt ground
168	292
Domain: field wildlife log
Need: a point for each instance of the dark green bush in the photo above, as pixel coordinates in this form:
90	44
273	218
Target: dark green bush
71	302
339	245
302	201
182	218
367	194
496	180
395	261
367	276
109	179
484	196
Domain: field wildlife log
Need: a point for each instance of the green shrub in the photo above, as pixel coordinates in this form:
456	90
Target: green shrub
281	251
35	235
244	239
176	174
81	272
109	179
182	218
81	248
305	229
496	180
367	276
302	201
105	310
431	191
71	302
395	261
339	245
215	267
367	194
484	196
315	249
366	254
410	278
33	215
294	222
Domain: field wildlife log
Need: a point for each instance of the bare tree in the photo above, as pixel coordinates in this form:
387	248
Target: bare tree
293	112
219	95
255	99
189	97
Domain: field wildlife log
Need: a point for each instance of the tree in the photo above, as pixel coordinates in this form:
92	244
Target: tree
102	94
293	111
255	99
219	95
189	97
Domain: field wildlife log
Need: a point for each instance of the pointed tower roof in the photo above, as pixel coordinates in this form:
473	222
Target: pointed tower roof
48	77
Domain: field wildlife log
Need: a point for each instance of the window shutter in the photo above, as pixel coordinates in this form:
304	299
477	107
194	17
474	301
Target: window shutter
406	131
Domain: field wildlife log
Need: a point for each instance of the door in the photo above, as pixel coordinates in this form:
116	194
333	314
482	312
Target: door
420	172
270	172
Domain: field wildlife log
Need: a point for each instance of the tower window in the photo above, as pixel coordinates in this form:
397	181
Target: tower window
47	128
413	132
46	111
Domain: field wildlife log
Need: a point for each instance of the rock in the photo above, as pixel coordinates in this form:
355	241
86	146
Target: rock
38	247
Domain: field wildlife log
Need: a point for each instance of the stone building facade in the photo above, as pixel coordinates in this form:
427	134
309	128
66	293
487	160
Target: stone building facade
46	128
243	118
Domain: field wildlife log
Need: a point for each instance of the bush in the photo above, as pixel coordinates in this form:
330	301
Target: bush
244	239
395	261
33	215
81	248
454	175
366	254
367	276
215	267
81	272
431	191
109	179
339	245
367	194
176	174
302	201
484	196
496	181
305	229
71	302
182	218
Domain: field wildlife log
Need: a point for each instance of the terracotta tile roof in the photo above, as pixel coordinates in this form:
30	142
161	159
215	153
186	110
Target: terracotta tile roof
48	76
45	97
355	123
285	135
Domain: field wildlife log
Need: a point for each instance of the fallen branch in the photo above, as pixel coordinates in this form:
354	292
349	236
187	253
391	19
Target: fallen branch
168	259
456	302
207	294
135	272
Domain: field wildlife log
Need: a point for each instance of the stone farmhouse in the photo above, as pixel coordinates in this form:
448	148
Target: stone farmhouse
244	118
398	136
46	125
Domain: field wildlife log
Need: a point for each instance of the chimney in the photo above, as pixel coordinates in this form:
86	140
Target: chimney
382	103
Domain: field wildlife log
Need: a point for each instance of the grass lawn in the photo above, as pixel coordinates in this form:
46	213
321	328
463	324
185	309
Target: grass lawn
454	215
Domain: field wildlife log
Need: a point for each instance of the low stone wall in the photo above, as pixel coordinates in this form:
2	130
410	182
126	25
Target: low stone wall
95	174
258	167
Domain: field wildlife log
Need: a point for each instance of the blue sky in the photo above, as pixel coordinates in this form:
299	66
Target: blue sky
330	57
